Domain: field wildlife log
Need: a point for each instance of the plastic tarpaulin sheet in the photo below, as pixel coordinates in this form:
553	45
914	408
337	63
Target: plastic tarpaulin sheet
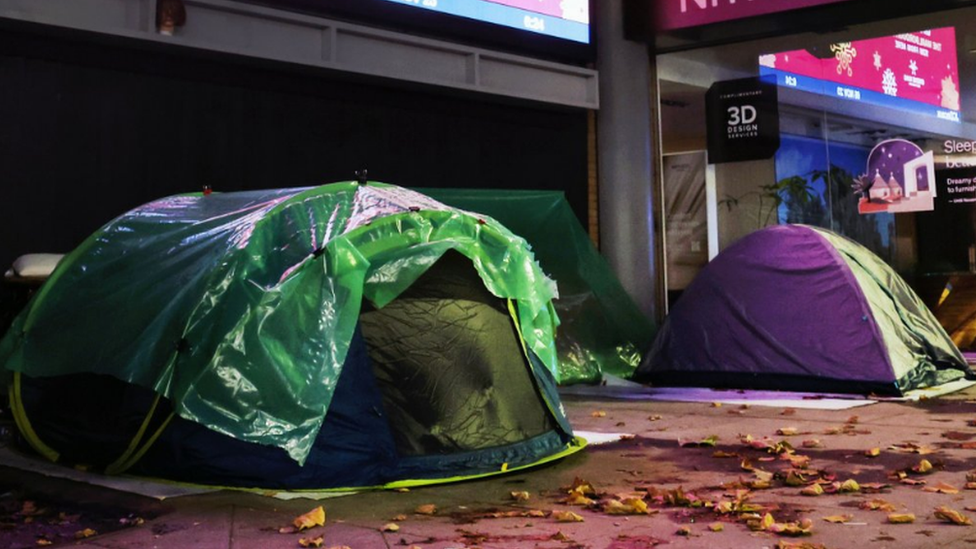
602	329
240	307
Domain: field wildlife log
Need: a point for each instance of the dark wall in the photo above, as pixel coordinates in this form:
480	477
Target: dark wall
90	130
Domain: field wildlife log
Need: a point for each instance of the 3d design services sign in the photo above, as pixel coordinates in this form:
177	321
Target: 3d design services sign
743	120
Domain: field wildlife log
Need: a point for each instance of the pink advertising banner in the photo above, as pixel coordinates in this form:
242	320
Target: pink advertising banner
548	7
679	14
918	66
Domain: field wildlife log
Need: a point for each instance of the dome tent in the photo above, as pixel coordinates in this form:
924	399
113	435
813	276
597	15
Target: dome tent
793	307
258	339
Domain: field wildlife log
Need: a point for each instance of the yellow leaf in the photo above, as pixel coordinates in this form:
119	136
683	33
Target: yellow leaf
391	527
716	405
850	485
787	431
951	515
716	527
877	505
629	506
767	521
838	519
426	509
942	488
901	518
311	542
566	516
802	528
873	452
923	467
812	490
86	533
599	413
315	517
520	496
43	542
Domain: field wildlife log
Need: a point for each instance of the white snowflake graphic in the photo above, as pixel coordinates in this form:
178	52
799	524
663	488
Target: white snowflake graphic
912	66
877	61
889	84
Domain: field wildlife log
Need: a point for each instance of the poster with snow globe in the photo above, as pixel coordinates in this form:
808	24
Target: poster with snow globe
900	177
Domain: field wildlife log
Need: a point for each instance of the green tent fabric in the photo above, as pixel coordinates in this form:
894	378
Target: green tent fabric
602	330
239	307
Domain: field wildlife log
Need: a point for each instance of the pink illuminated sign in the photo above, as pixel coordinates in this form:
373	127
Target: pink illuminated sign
917	66
678	14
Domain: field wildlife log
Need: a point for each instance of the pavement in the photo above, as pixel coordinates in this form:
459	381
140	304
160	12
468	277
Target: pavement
715	476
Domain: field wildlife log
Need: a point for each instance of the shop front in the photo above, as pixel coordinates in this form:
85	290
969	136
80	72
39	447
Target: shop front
826	113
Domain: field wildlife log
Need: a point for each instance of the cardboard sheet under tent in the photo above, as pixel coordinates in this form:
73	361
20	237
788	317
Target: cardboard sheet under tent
346	336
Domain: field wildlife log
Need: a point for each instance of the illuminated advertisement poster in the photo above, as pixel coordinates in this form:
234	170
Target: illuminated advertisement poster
900	177
566	19
916	71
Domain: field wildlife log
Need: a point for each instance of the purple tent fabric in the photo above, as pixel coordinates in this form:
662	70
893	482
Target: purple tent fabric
779	309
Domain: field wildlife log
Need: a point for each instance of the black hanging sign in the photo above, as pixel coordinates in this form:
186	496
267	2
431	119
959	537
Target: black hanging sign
742	120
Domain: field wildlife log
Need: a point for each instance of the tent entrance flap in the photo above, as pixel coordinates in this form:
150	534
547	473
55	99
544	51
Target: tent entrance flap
448	317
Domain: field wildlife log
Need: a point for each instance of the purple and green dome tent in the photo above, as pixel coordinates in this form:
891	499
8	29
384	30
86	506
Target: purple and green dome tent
800	308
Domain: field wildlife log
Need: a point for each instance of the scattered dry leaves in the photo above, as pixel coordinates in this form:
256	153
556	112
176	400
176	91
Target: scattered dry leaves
426	509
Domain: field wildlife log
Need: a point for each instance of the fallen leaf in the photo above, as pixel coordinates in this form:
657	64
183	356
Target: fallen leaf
802	528
721	454
629	506
794	478
566	516
838	519
877	505
912	481
783	544
399	518
426	509
684	531
812	443
311	542
942	488
787	431
852	420
850	485
390	527
971	485
311	519
86	533
582	486
654	418
788	412
44	542
924	466
599	413
716	405
874	487
520	496
576	497
873	452
716	527
708	441
951	515
812	490
901	518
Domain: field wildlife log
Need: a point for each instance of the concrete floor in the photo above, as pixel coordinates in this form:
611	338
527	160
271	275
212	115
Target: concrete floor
650	466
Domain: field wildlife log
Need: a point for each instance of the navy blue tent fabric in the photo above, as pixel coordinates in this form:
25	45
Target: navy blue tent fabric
353	448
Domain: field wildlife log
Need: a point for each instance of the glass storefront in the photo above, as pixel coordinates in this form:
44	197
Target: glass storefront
876	141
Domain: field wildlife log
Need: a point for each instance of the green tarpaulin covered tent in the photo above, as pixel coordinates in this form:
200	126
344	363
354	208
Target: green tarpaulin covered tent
241	309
